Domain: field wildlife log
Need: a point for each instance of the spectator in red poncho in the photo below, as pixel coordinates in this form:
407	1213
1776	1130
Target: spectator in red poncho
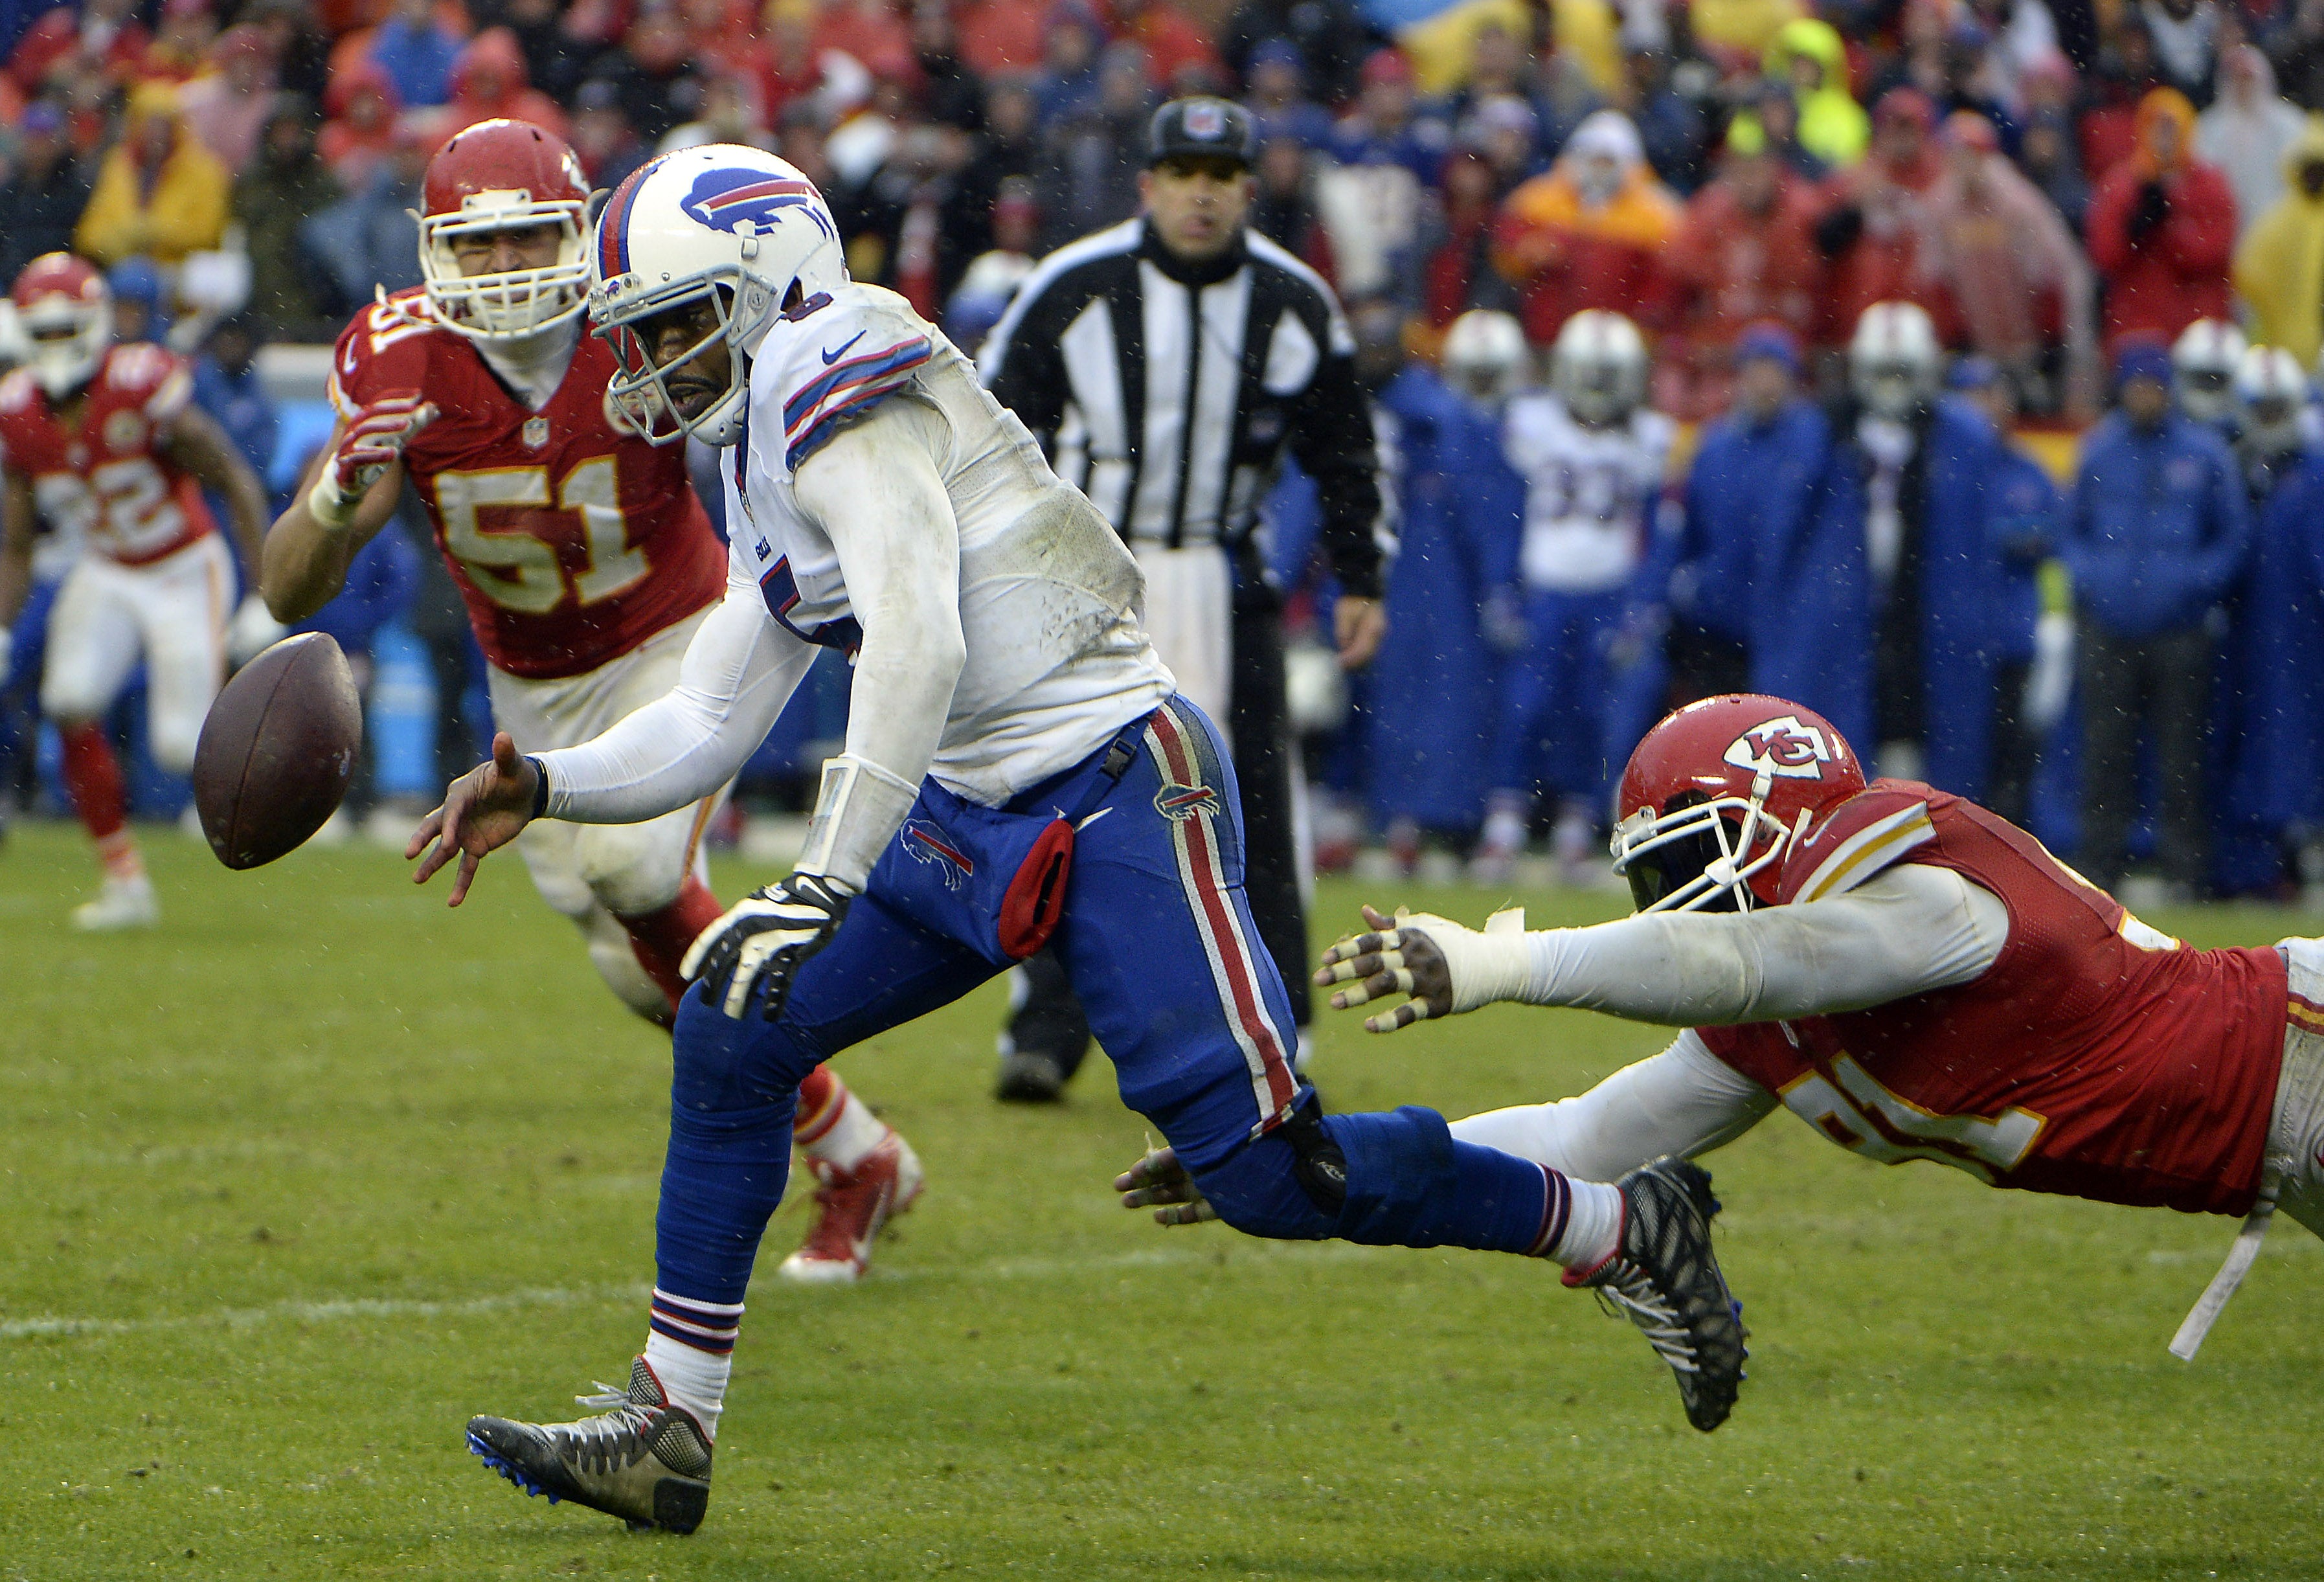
871	32
1175	43
1870	229
2162	229
489	79
1459	274
1745	253
1590	233
997	37
360	135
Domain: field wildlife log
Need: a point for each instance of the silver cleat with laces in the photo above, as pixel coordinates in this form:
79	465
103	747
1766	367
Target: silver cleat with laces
642	1459
1664	1278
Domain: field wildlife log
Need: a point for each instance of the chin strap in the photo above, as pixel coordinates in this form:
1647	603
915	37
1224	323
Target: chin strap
857	812
2240	1258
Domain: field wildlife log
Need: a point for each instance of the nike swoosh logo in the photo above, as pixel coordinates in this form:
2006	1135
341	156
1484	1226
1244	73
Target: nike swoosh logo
831	357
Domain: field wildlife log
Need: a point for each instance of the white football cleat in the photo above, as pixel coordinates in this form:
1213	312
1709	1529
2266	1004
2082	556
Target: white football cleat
851	1208
123	904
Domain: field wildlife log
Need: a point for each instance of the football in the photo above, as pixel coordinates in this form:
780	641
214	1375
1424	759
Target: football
277	750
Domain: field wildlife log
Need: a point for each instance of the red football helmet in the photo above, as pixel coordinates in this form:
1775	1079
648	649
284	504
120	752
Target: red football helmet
495	176
1718	792
63	313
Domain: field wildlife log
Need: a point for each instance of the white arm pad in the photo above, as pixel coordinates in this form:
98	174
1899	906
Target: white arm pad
857	811
1683	1101
738	673
875	489
1910	929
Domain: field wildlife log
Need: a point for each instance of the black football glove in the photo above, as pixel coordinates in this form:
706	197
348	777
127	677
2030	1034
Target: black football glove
760	945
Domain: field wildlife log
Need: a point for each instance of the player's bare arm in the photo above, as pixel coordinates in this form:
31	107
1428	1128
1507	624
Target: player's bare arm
16	520
347	495
197	442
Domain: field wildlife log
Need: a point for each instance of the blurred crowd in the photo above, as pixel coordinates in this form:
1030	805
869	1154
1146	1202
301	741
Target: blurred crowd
2055	185
2043	176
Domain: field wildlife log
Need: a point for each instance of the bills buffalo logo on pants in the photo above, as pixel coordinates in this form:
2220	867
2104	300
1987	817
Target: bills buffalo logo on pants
1783	746
925	843
1183	802
749	202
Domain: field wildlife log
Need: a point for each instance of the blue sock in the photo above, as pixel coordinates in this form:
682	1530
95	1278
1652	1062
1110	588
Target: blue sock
1410	1184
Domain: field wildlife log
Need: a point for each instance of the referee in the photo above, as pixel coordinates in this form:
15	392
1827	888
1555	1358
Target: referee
1165	364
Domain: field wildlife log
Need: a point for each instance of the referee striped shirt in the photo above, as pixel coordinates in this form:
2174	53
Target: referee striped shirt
1168	392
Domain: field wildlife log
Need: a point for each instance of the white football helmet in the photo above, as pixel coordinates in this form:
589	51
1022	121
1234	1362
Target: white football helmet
1599	367
60	321
504	175
1484	355
2274	394
1893	360
2203	363
724	224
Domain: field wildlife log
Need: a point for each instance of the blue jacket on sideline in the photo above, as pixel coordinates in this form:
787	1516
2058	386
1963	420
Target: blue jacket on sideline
2155	529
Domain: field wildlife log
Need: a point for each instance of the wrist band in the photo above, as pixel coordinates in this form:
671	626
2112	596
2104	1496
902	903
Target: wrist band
540	786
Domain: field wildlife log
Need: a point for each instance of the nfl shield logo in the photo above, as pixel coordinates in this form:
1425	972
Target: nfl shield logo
535	432
1206	120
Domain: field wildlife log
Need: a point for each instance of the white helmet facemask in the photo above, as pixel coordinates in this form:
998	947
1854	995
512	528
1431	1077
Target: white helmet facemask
63	341
742	307
504	304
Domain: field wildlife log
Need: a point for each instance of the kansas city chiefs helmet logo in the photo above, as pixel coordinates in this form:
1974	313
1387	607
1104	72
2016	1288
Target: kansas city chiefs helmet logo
1783	746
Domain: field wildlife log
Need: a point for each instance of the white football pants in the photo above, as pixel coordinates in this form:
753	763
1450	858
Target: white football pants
595	873
172	613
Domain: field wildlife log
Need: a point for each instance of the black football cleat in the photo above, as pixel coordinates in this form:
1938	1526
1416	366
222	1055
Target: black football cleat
1663	1278
645	1460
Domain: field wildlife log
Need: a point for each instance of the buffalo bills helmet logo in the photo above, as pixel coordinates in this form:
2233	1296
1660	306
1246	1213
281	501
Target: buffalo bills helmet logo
925	843
1182	803
747	202
1783	746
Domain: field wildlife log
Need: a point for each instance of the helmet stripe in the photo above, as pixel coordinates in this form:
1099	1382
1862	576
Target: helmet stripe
613	224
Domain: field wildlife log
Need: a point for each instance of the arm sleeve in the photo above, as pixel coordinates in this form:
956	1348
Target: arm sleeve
1910	929
876	491
1681	1102
738	673
1331	436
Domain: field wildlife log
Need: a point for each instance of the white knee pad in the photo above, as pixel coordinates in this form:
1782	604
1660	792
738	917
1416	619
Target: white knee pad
617	964
633	868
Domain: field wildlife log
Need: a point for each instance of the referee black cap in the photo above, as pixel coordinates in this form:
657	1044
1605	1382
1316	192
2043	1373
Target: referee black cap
1201	127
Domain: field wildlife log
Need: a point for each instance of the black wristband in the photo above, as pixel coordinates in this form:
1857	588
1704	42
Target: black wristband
540	786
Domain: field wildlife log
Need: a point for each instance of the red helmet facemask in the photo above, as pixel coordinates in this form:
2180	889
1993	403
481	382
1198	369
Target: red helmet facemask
1718	794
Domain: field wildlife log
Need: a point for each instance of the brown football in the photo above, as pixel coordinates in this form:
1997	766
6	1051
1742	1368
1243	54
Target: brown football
277	750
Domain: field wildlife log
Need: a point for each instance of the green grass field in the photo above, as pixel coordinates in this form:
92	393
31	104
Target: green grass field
298	1183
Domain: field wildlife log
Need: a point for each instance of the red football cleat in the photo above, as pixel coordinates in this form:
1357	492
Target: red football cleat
851	1206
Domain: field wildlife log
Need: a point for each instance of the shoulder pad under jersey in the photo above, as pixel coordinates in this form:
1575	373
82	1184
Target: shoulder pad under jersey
836	355
1872	831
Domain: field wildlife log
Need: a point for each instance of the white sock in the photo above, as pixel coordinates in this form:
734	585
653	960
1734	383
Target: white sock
852	1133
694	1380
1593	1225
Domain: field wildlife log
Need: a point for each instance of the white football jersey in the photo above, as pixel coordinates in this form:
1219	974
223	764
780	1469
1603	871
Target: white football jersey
1050	599
1590	493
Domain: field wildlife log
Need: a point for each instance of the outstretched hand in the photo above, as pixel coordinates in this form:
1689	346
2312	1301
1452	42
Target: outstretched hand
483	811
1159	1182
1394	958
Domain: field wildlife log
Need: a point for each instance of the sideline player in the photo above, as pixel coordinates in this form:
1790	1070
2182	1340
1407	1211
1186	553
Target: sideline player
1906	972
1019	770
586	562
104	442
1593	457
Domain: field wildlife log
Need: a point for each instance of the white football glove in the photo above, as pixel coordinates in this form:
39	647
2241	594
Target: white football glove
253	630
1446	968
2049	683
760	945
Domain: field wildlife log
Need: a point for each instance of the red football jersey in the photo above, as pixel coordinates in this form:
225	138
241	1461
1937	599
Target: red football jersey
108	478
572	541
2095	1057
